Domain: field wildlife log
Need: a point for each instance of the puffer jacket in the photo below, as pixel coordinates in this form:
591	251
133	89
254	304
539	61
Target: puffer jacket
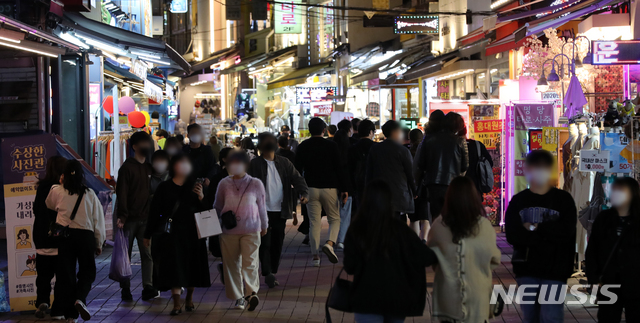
443	157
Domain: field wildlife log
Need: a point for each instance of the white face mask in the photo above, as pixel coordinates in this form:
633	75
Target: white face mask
183	169
619	197
236	169
538	176
160	166
195	138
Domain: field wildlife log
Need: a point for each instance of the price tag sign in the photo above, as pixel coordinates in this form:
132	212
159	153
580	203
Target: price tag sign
594	161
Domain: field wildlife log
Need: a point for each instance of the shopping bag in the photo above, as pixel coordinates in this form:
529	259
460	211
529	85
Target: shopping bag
208	224
120	269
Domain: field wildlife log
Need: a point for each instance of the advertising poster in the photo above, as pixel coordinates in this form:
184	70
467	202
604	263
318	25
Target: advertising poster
487	132
526	117
616	143
95	98
535	140
24	159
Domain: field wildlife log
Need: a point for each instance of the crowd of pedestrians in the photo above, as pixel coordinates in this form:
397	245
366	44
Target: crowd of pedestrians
411	201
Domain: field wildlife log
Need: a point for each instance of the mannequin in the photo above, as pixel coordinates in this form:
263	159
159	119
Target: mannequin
567	154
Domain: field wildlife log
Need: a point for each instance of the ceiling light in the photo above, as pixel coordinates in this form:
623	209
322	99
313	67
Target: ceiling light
146	55
11	36
155	61
26	48
103	46
73	39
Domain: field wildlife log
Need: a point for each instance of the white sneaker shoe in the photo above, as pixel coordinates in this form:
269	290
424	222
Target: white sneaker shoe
240	304
315	262
340	245
328	250
83	310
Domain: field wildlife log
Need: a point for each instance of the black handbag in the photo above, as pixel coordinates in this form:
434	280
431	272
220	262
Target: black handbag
228	219
339	297
58	231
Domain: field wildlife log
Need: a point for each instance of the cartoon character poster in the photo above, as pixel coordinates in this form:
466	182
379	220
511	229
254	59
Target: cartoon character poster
23	162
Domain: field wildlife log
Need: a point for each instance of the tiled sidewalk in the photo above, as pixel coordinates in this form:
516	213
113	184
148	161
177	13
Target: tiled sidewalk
299	298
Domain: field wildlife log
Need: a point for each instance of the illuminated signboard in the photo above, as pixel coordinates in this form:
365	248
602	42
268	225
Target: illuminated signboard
321	109
178	6
313	94
288	17
416	25
615	52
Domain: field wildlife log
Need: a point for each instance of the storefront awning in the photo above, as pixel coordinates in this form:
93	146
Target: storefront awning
566	16
504	45
296	77
429	66
260	60
531	13
471	37
114	35
374	71
37	32
215	58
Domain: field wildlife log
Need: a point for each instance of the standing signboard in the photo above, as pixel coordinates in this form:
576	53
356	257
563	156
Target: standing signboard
24	160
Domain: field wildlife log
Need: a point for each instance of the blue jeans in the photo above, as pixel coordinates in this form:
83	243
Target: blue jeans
345	219
375	318
542	313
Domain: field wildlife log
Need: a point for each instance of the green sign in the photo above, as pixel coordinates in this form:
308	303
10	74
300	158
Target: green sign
288	17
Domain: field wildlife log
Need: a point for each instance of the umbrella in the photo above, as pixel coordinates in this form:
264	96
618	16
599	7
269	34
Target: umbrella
574	99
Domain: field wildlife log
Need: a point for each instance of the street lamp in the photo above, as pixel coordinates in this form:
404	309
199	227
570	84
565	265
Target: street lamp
543	85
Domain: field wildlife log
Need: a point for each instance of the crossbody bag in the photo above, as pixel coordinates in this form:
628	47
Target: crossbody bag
58	231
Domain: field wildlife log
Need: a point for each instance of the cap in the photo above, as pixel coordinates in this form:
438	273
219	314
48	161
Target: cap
285	128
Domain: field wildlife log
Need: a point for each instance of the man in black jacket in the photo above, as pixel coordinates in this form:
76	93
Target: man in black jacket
391	162
283	184
318	159
358	154
540	223
133	191
201	155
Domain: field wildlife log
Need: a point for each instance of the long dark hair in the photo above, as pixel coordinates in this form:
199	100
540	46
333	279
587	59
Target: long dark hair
55	168
634	188
436	122
73	180
462	208
455	123
415	138
374	226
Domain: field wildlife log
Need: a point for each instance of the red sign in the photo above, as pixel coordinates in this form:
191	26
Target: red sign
321	109
487	126
535	140
443	90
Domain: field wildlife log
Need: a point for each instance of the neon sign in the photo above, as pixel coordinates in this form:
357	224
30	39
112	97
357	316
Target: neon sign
615	52
416	25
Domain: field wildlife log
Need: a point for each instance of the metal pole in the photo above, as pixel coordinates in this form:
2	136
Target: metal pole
116	132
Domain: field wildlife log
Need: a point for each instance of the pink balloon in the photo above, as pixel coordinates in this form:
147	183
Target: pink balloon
126	105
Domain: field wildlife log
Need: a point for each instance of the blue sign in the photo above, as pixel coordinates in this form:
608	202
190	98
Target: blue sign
178	6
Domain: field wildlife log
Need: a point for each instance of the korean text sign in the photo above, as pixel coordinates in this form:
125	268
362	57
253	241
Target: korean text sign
23	162
288	17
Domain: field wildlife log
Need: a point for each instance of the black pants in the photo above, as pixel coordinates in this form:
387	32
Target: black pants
271	244
46	267
436	199
80	248
612	313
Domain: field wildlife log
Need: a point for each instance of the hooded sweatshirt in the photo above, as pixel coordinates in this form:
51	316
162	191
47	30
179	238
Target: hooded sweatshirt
133	190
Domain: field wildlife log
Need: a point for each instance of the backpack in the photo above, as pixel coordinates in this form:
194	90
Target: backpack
484	171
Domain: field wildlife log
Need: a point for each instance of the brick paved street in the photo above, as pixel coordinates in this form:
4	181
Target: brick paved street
299	298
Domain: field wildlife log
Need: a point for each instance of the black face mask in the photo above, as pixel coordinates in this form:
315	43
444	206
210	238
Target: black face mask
145	151
269	146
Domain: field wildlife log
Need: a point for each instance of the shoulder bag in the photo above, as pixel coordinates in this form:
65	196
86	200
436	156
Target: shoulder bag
229	220
58	231
168	228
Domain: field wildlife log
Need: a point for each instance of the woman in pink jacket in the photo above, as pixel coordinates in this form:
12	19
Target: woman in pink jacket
242	197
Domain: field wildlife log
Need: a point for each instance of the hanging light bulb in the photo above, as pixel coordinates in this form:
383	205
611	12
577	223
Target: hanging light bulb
553	76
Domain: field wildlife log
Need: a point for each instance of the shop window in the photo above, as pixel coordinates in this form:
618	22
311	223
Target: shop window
498	72
458	89
480	82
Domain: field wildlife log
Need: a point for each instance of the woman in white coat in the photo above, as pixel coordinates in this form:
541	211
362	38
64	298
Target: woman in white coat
465	243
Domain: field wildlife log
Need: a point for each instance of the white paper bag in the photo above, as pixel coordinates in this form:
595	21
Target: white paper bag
208	224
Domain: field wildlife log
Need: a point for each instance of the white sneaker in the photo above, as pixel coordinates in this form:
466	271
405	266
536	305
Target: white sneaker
72	320
83	310
240	304
340	245
328	250
315	262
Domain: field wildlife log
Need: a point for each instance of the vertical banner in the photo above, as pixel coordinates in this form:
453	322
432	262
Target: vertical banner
288	17
24	160
528	116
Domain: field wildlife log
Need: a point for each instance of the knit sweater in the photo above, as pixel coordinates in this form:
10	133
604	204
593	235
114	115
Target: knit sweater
250	209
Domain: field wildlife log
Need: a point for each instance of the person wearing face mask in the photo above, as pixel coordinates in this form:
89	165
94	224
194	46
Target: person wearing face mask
391	162
244	196
283	184
613	249
181	258
540	223
201	156
443	157
285	131
133	197
173	146
160	164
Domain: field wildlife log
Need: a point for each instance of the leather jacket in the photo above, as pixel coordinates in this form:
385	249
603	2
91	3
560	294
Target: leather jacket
443	157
